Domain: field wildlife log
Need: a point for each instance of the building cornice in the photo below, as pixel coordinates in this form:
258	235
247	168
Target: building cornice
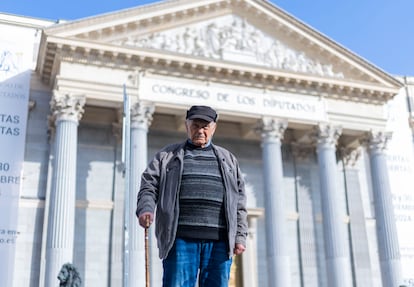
159	16
58	49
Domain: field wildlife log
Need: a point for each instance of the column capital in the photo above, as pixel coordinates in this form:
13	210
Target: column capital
66	106
141	114
350	156
271	128
326	134
376	141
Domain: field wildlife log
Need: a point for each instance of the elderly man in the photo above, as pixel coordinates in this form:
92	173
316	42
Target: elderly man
198	192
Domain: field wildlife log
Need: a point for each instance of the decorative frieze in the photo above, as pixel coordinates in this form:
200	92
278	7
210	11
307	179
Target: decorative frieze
231	38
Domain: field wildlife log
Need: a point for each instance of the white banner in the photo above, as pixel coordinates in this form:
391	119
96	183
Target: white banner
401	172
14	99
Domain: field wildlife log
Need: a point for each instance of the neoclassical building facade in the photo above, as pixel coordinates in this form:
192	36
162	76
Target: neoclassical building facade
305	116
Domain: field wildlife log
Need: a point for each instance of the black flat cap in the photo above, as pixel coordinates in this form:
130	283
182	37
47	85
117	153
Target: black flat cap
202	112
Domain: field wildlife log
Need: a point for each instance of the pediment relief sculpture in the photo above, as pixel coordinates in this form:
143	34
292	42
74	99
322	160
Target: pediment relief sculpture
231	38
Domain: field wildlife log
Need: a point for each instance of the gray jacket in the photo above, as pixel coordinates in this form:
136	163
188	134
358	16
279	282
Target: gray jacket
160	184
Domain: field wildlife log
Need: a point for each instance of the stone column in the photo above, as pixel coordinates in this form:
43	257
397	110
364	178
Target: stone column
67	110
117	214
249	257
358	239
333	214
141	117
275	214
303	161
388	246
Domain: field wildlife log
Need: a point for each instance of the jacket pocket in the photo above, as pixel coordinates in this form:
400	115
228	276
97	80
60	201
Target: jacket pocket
168	191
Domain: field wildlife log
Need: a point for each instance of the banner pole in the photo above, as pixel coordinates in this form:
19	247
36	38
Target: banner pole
126	174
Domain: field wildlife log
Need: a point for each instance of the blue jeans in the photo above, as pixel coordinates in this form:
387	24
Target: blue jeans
189	256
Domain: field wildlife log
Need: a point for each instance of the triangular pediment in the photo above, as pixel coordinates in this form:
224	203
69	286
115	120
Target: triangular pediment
247	32
232	38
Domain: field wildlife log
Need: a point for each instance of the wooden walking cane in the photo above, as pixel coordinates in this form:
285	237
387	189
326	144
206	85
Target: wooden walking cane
147	274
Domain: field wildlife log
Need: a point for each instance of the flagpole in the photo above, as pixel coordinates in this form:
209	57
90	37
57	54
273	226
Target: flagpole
126	174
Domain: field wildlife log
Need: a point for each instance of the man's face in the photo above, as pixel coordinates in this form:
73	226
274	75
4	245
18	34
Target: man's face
200	131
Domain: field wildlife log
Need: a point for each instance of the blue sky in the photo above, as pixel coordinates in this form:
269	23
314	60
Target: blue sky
380	31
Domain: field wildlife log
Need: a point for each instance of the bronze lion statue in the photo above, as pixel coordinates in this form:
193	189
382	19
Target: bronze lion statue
69	276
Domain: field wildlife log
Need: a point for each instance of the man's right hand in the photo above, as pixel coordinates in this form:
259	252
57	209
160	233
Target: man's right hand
142	219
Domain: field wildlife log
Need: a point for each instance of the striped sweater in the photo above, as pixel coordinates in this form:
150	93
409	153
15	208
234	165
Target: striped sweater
201	197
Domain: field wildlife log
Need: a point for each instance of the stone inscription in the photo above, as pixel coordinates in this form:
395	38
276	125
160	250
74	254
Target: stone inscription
234	99
8	236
